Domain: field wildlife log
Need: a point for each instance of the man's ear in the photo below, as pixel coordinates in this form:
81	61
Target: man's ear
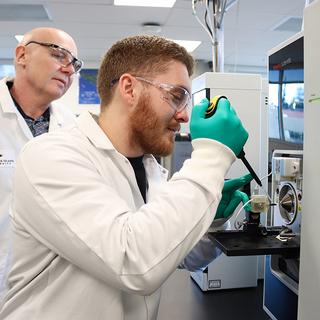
20	54
128	88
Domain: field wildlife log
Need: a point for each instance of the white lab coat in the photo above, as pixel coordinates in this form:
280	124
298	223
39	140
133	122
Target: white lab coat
15	133
85	244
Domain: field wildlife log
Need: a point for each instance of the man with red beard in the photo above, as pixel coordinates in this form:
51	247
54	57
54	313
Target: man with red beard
97	228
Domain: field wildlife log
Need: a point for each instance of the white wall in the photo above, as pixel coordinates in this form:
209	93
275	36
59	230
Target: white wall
71	98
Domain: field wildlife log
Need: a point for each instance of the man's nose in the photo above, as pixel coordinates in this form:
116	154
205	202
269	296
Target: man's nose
182	116
68	69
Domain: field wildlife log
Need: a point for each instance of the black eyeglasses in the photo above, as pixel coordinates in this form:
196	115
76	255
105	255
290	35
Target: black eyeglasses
63	56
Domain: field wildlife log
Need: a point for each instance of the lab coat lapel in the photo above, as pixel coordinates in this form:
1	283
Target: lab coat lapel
8	107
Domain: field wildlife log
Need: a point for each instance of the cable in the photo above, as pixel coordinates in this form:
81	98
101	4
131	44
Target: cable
200	22
256	188
207	15
264	190
207	25
236	216
266	176
236	42
236	226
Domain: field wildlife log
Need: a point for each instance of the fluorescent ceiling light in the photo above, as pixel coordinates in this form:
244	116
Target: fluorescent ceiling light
188	44
145	3
19	37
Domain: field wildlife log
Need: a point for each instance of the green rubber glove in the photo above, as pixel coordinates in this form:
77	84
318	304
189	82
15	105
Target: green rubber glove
231	197
224	126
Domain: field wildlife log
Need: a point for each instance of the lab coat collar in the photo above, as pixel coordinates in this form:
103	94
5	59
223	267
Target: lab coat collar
90	128
7	104
56	116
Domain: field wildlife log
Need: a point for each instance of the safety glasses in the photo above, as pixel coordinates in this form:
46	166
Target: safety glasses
177	97
63	56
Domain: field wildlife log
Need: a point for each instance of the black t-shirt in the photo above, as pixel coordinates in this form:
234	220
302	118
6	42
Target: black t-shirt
140	174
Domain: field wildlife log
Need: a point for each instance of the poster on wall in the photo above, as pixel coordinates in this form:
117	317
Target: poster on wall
88	93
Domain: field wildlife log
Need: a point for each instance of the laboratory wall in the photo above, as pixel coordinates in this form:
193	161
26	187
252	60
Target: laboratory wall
71	98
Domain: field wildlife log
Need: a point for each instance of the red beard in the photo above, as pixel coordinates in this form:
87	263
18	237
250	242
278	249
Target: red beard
149	131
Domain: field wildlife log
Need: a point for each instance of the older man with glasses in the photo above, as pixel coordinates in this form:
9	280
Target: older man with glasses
45	64
101	228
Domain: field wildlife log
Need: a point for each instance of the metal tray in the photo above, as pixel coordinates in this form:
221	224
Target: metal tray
240	243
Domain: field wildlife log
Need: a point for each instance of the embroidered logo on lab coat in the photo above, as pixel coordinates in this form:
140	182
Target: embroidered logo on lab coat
7	159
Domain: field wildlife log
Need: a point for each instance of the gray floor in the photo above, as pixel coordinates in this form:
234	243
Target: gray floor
182	299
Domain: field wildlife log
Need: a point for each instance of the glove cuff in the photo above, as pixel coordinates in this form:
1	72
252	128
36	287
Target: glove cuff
208	143
209	163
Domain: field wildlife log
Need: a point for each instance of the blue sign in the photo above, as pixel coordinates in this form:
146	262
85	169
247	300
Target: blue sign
88	93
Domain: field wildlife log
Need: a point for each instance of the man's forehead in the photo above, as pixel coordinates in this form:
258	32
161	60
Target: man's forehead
49	35
176	73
